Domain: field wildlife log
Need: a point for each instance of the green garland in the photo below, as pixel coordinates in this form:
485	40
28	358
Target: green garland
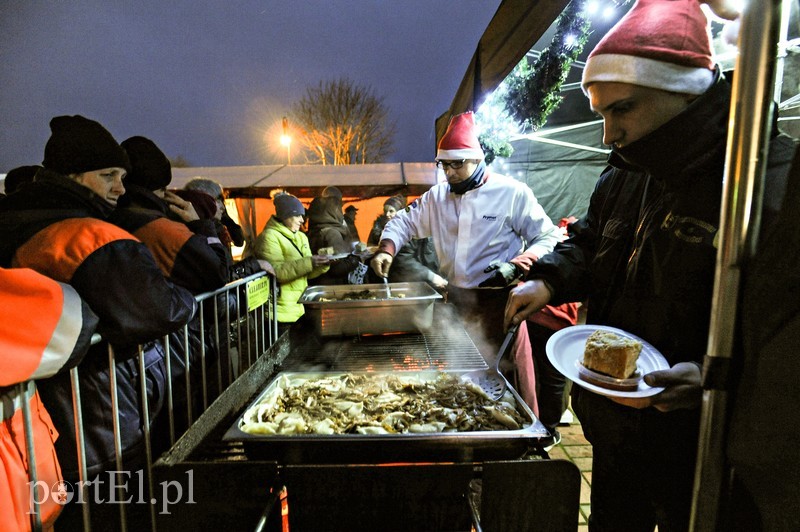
533	91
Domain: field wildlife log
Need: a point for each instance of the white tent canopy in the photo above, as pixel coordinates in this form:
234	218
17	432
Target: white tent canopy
257	181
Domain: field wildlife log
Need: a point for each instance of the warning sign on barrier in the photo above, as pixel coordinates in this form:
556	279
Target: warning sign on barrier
257	292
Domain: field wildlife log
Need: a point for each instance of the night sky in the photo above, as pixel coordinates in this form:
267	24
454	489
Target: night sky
210	80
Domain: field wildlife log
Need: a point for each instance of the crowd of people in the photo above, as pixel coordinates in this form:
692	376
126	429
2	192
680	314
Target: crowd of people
94	240
97	218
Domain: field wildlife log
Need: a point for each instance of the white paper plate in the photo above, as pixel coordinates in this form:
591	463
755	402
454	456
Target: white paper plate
565	351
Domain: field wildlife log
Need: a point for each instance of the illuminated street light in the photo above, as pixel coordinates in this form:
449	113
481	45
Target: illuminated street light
286	140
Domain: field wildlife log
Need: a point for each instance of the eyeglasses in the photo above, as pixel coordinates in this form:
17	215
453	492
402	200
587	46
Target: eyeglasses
455	165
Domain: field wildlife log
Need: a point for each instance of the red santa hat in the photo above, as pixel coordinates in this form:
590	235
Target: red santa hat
460	141
661	44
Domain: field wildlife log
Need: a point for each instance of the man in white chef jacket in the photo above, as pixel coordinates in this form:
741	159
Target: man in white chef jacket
487	229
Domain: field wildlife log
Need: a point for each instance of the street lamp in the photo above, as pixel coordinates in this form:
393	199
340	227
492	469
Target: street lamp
286	140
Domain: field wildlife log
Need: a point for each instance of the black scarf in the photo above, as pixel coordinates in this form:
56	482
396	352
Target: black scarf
473	181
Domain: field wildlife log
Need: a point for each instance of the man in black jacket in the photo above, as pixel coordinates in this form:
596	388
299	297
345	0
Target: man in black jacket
644	255
57	225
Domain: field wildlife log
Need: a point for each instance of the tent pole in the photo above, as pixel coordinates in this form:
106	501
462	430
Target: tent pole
745	163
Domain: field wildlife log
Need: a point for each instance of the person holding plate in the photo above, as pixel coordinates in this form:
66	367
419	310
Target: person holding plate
286	247
644	255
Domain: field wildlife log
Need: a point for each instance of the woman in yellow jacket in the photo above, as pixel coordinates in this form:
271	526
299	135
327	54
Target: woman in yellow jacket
283	245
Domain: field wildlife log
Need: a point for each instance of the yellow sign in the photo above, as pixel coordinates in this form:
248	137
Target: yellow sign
257	293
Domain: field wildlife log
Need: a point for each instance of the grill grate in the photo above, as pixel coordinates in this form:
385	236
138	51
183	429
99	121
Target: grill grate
431	350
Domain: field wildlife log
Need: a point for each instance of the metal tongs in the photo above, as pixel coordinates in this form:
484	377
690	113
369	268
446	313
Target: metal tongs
492	381
386	285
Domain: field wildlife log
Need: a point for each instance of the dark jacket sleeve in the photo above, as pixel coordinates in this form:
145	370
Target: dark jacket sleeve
414	262
121	282
375	233
202	262
234	229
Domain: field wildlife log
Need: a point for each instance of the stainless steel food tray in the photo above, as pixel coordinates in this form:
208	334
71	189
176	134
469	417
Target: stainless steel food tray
380	448
409	309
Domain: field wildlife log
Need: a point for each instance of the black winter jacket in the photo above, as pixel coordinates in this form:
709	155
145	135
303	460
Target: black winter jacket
644	255
56	227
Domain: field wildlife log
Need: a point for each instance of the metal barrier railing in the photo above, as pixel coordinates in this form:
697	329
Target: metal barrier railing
236	343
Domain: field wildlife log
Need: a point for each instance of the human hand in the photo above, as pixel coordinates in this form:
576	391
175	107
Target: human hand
724	9
318	261
524	300
267	267
504	275
438	281
381	263
682	385
183	208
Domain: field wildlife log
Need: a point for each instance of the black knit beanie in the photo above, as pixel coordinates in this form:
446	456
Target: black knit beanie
149	168
287	206
78	145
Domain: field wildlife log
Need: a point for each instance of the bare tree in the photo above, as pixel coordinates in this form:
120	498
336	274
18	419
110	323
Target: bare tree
341	123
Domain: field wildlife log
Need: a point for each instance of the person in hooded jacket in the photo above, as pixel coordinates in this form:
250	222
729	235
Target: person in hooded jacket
58	226
287	249
327	229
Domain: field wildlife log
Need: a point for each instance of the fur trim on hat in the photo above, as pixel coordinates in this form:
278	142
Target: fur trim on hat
647	73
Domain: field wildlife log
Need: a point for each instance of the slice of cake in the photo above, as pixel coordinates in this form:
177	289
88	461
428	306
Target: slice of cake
611	354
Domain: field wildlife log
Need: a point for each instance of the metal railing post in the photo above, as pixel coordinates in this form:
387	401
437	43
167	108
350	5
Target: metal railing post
80	441
33	476
148	450
112	370
80	434
748	136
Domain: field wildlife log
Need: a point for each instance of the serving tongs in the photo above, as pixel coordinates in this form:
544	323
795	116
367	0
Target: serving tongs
386	285
492	381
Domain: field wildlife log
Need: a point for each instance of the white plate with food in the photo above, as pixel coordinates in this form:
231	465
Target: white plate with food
565	349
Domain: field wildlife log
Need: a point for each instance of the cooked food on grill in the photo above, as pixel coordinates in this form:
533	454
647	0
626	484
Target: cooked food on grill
361	295
611	354
379	404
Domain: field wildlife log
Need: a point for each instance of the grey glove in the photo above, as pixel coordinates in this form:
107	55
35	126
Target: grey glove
505	274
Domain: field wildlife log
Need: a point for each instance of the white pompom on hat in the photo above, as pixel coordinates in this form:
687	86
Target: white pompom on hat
661	44
460	141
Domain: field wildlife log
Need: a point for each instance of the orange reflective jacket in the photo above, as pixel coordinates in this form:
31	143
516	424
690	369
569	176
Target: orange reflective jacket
45	328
